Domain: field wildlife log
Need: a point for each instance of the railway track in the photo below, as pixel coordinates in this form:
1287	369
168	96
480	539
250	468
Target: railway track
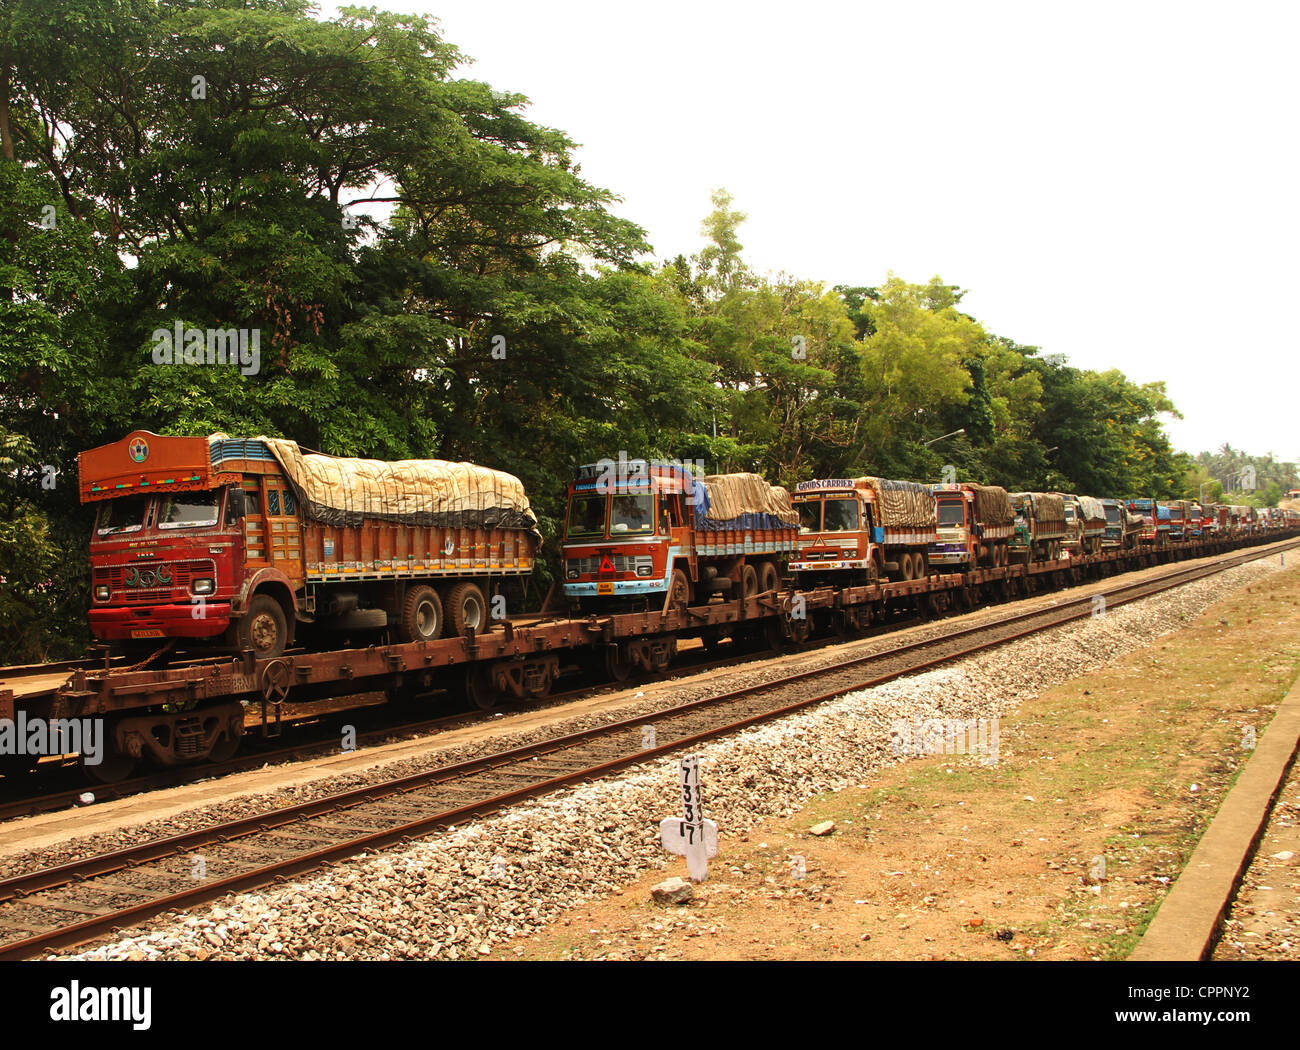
75	902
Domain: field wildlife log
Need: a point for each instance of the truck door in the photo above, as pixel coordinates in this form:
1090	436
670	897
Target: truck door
284	536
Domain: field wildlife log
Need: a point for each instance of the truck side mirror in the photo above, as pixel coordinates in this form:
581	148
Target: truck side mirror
236	504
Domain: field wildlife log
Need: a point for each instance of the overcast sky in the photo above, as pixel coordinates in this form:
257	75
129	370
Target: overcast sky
1116	182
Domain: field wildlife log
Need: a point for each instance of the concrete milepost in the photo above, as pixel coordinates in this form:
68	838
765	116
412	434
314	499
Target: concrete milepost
692	836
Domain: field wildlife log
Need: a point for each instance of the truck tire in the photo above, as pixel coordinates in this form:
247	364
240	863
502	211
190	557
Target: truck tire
679	590
262	628
768	578
466	609
905	563
748	581
421	615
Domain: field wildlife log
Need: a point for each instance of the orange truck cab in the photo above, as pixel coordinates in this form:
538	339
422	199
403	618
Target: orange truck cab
644	532
862	529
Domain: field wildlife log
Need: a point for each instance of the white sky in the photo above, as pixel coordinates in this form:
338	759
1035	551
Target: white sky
1116	182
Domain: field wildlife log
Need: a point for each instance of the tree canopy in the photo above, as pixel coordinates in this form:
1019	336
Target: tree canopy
428	274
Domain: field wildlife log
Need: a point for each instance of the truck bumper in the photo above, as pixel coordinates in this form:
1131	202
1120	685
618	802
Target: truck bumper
614	588
184	620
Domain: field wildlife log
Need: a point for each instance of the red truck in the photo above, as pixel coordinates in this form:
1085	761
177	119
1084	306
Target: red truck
244	539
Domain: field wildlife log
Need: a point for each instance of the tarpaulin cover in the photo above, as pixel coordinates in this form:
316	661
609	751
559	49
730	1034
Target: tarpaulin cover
993	505
903	504
1132	522
1093	511
338	491
1048	506
742	501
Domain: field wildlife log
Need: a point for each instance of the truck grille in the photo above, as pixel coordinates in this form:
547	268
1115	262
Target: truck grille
145	581
621	562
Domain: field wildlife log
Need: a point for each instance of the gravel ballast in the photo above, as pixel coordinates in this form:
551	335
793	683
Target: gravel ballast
459	894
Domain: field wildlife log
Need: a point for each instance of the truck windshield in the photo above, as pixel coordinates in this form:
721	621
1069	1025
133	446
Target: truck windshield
1112	513
121	515
631	514
586	516
841	515
188	510
952	512
810	515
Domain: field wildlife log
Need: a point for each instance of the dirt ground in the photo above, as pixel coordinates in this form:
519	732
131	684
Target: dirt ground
1061	849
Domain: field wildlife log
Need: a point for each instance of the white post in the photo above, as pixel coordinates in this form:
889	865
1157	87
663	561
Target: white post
691	836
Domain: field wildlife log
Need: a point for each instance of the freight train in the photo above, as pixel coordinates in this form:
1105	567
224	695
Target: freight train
244	542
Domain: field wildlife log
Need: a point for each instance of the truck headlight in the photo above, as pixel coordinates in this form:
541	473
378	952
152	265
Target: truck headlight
572	572
202	586
101	593
644	570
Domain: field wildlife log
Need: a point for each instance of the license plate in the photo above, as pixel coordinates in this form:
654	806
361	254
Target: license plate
146	634
605	588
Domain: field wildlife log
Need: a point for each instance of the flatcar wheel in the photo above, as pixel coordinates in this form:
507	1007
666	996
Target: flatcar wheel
774	636
114	768
477	686
617	665
224	749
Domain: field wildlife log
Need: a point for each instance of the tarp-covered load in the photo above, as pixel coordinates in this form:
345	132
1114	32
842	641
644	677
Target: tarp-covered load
903	504
339	491
1093	511
742	501
1133	522
993	505
1048	506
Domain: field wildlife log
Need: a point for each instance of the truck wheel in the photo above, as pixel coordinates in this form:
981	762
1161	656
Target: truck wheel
768	578
679	590
748	581
466	609
421	615
921	564
263	628
905	563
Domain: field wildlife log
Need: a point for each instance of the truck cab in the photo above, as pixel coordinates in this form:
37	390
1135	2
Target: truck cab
626	531
956	512
168	545
835	532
